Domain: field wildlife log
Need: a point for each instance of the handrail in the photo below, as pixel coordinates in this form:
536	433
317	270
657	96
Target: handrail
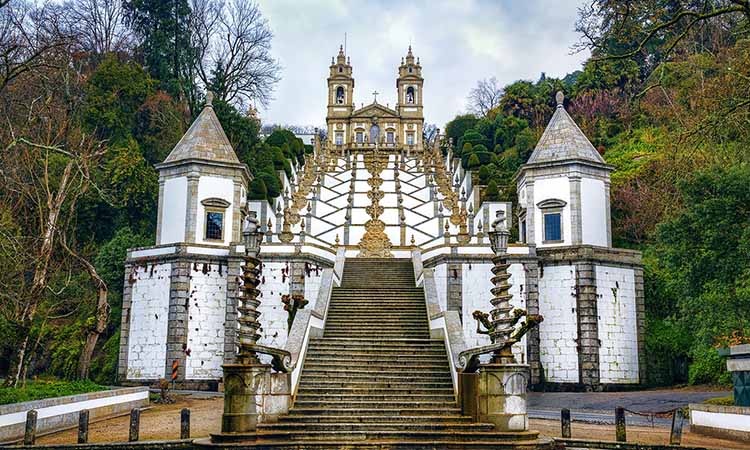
443	324
310	323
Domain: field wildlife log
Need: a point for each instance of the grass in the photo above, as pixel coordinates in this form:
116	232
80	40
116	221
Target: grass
37	390
722	401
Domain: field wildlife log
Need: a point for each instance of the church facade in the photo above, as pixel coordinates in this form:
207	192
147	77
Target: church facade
375	188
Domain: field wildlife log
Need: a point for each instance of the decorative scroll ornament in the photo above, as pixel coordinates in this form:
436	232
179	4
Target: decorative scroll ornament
375	242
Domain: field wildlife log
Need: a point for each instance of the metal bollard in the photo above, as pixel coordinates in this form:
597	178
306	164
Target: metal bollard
83	426
135	424
565	423
29	436
675	435
620	432
185	423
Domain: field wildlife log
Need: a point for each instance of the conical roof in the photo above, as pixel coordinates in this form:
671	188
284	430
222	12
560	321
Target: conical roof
204	140
562	140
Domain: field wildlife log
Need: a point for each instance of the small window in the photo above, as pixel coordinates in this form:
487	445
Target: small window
409	138
339	138
341	69
360	137
552	227
410	70
389	137
214	226
340	95
410	95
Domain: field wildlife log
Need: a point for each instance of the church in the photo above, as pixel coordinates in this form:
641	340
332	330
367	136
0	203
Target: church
375	190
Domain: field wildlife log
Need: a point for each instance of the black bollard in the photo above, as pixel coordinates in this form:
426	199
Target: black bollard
565	423
675	436
620	433
29	436
83	426
135	424
185	423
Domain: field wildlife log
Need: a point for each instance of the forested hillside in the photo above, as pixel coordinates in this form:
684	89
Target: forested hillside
93	93
665	98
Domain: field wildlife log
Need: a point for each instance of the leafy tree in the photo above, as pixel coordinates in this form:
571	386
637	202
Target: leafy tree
456	128
473	161
491	192
258	189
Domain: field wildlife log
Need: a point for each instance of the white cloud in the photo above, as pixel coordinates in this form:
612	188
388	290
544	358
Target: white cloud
458	43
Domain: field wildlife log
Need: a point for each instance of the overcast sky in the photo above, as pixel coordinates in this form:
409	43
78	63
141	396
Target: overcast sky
458	42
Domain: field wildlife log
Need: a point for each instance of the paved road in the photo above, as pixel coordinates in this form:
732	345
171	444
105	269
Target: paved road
598	407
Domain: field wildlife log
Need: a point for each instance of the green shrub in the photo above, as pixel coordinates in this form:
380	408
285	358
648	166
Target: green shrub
472	162
273	185
38	390
258	189
484	174
491	193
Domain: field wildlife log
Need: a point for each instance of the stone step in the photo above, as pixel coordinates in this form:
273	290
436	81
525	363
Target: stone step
378	330
395	398
396	390
355	375
395	355
377	426
365	384
301	418
375	334
374	357
400	435
401	366
371	342
365	411
374	404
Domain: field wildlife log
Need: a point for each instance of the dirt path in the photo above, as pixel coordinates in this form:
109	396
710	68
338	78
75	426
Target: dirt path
163	422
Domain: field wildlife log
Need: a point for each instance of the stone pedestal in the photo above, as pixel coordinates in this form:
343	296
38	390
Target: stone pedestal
253	395
738	363
501	396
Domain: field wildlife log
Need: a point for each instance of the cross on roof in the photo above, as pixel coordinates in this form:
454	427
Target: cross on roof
375	94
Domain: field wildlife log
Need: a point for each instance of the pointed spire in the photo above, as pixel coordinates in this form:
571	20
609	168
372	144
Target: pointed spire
204	140
562	140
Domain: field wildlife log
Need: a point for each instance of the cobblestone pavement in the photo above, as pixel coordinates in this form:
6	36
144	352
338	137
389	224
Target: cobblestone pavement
598	407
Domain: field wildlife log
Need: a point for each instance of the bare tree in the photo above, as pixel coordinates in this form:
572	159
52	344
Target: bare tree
45	168
97	25
27	33
485	97
233	41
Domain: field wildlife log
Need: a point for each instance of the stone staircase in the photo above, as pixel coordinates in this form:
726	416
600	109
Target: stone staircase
376	380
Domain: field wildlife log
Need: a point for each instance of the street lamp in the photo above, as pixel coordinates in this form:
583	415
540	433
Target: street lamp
502	323
249	325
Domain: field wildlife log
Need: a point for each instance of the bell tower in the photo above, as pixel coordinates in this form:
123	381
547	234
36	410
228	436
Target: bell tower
340	86
409	105
409	85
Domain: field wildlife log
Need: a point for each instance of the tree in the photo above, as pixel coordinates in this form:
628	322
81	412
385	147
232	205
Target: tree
28	34
484	97
97	26
233	43
162	28
491	192
46	167
456	128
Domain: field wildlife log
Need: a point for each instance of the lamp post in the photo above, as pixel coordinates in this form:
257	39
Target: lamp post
249	325
502	323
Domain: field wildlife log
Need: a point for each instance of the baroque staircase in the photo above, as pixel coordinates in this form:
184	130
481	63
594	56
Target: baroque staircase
376	379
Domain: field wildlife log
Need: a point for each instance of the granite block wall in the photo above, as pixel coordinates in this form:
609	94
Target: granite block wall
618	352
558	354
206	316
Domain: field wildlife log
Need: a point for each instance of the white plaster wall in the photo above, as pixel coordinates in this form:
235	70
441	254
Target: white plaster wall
215	187
552	188
173	210
312	286
593	212
206	318
149	311
618	353
441	282
476	285
273	319
721	420
559	330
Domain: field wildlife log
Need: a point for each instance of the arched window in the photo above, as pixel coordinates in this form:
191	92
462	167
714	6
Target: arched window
410	98
374	133
340	95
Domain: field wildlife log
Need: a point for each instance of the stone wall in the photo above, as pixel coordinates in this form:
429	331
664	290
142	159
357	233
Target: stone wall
206	319
557	334
148	311
618	353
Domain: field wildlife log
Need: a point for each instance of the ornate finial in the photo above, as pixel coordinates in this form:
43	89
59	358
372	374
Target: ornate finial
413	241
559	97
348	61
447	226
337	239
332	60
402	60
209	98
